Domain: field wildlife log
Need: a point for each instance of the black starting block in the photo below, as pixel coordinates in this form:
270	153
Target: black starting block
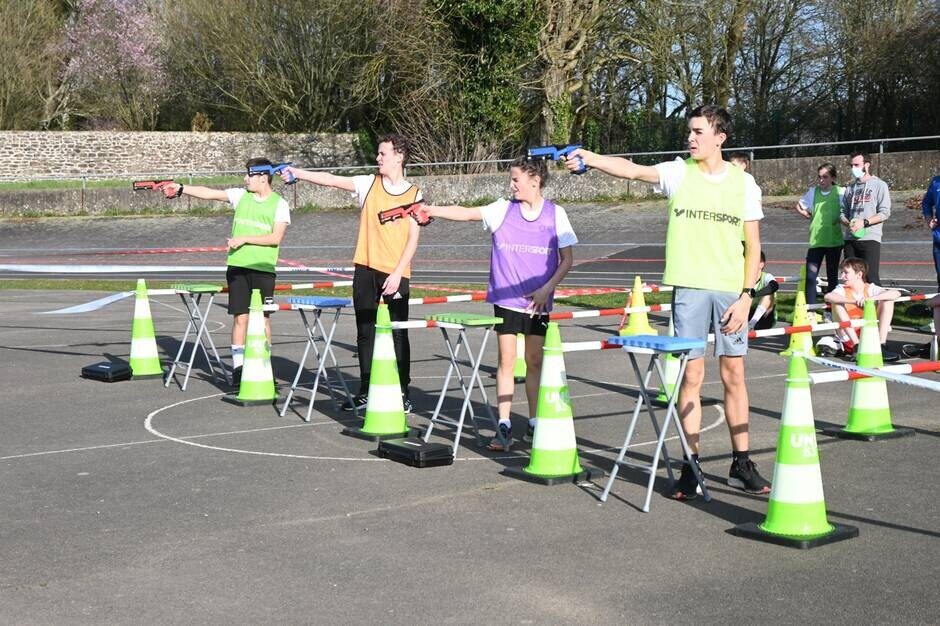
107	371
416	452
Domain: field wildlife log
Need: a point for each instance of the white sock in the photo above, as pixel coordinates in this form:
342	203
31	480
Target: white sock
532	422
238	356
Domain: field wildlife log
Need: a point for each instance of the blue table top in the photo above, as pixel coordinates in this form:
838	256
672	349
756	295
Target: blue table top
655	342
320	301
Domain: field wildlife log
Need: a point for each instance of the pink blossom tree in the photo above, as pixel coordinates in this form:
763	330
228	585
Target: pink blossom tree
117	62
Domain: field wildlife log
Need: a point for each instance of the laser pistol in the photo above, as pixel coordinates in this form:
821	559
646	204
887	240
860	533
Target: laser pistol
557	153
275	170
158	185
413	209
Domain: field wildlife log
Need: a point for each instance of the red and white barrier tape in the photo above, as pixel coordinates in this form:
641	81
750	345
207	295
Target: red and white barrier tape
906	368
911	381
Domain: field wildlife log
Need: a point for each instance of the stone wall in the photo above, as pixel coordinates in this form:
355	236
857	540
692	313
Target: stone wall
63	155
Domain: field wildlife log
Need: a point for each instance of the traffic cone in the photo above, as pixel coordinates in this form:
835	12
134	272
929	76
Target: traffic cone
554	457
670	371
257	385
144	359
796	511
385	409
869	412
800	343
518	372
639	323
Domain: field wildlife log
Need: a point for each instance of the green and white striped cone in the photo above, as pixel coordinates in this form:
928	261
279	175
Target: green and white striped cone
518	372
670	371
554	457
796	511
869	412
257	385
144	359
385	409
800	343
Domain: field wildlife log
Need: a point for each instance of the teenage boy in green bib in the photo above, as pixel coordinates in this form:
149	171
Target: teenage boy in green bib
260	221
713	208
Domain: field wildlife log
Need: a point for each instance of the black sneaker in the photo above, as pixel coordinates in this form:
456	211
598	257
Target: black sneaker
237	377
686	488
503	439
529	433
744	476
889	356
409	408
358	403
916	350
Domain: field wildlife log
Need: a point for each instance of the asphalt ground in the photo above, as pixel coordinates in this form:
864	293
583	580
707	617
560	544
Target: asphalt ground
131	502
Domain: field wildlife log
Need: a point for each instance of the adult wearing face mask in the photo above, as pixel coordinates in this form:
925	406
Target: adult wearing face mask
865	207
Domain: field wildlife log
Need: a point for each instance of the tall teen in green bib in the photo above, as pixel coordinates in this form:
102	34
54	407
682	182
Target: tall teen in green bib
714	208
260	221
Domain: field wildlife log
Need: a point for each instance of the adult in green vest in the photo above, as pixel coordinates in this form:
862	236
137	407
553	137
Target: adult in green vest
713	208
260	221
822	205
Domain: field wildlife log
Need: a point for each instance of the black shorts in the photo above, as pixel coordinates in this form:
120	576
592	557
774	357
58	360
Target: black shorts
241	281
515	322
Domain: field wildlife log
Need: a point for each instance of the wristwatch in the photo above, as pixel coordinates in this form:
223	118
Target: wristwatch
865	223
751	292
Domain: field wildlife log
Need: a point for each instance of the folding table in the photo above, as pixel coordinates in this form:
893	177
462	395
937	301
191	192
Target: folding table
192	296
320	341
657	348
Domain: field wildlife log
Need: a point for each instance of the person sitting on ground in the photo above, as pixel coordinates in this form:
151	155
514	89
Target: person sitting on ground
532	252
764	305
922	350
848	300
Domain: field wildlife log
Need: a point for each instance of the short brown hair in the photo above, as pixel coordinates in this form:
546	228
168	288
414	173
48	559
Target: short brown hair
532	167
717	117
859	265
400	144
830	169
256	161
865	156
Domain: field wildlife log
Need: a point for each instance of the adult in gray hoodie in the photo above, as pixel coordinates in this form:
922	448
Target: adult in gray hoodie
865	207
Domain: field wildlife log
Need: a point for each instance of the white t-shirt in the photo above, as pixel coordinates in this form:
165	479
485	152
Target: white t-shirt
281	213
809	198
873	290
495	212
363	184
671	174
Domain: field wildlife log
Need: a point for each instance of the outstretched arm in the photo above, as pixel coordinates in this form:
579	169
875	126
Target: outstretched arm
203	193
615	166
324	179
455	213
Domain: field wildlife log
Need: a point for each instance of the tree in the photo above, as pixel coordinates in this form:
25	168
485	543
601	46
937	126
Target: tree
31	35
290	66
116	63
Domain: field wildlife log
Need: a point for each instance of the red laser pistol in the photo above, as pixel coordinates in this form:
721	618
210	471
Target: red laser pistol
557	153
158	185
274	170
414	209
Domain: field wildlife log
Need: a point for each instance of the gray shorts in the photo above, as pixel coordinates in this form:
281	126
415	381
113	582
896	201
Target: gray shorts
696	312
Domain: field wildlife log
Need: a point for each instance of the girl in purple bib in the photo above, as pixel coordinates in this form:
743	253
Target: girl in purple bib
531	253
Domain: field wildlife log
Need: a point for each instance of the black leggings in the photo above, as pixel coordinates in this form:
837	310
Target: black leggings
814	259
367	289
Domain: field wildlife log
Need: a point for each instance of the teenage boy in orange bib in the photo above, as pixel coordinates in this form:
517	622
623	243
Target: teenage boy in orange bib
383	254
849	298
713	208
260	221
